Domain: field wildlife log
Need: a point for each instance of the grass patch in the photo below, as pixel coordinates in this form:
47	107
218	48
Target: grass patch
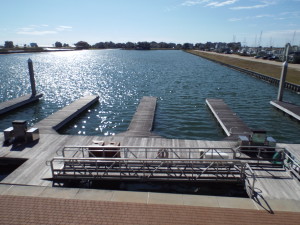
293	76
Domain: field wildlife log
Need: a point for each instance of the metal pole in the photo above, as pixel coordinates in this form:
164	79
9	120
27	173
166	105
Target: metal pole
282	80
283	72
31	74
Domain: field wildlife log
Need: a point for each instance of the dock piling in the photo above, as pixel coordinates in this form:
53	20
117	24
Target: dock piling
283	72
31	74
282	80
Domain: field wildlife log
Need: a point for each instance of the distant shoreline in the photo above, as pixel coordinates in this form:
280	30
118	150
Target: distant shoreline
15	51
33	50
265	67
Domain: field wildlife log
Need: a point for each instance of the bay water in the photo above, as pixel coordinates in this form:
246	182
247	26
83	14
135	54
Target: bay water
179	80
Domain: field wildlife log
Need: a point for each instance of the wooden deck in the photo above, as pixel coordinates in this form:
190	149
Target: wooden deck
142	122
16	103
288	108
272	182
54	122
229	121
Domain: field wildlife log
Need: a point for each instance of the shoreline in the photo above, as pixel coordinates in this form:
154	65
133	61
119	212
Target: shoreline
266	68
34	51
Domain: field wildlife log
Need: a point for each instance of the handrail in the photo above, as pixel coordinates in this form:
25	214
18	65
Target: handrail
252	175
292	163
92	159
153	169
189	152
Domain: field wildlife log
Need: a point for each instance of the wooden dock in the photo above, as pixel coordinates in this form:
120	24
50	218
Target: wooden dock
229	121
142	122
54	122
16	103
288	108
271	182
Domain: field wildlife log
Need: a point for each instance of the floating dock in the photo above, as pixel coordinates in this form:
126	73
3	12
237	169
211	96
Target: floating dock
148	157
57	120
229	121
16	103
289	108
141	124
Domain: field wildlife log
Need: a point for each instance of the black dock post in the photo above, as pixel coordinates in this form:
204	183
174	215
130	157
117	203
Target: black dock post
31	74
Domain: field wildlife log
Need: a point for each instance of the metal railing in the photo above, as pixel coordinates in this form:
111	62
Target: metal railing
291	163
277	156
259	153
250	180
147	152
147	169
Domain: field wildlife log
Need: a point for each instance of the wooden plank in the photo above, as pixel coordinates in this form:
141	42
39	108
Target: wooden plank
143	118
289	108
142	122
16	103
57	120
272	182
228	120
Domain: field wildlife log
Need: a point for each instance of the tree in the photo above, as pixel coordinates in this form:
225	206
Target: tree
58	44
99	45
129	45
66	45
187	46
8	44
82	45
143	45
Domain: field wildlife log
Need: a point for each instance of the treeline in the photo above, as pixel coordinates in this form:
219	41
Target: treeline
129	45
158	45
140	45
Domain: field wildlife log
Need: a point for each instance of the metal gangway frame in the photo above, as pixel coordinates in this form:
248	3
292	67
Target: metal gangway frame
147	169
281	157
147	163
147	152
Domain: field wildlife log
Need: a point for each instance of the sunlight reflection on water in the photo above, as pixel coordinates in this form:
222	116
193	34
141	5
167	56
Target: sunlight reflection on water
121	78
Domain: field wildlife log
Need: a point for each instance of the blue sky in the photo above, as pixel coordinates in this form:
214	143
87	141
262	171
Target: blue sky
179	21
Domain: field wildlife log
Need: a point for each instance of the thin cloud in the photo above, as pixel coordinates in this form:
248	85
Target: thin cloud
265	15
38	33
195	2
250	17
62	28
263	5
220	4
40	30
235	19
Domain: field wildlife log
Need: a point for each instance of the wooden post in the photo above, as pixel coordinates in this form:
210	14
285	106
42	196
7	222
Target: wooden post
282	80
31	74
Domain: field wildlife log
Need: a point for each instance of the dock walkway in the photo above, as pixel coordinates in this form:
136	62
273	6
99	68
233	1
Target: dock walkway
142	122
289	108
273	183
54	122
229	121
15	103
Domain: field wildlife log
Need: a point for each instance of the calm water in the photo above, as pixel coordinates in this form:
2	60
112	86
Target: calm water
181	82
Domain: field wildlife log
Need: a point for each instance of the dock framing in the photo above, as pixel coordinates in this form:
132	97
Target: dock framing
61	157
16	103
57	120
288	108
142	122
229	121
